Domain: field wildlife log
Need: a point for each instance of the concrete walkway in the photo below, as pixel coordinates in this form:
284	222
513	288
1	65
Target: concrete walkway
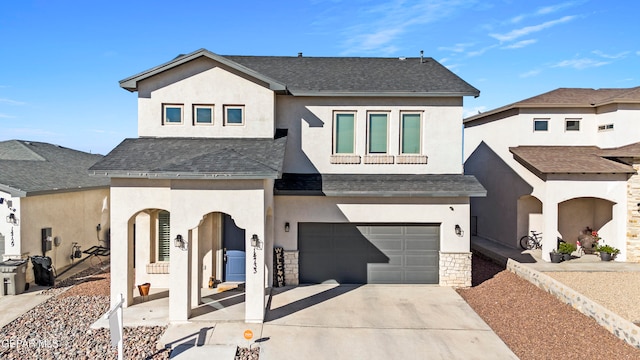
351	322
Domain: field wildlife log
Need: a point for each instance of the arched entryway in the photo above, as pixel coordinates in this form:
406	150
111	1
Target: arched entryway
574	215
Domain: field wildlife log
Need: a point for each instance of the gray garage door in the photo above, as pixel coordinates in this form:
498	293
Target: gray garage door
368	253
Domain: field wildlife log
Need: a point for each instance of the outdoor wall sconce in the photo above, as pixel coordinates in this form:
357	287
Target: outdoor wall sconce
180	243
458	230
286	227
12	219
255	242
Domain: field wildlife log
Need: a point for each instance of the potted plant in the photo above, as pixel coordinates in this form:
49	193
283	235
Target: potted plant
607	252
555	256
566	249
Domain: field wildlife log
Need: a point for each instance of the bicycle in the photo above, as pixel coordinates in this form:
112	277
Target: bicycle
530	242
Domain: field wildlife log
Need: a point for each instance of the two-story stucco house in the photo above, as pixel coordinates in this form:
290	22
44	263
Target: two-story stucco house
351	165
557	163
48	202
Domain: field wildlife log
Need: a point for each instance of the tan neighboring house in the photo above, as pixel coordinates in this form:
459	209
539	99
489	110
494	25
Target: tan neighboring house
557	163
351	165
47	197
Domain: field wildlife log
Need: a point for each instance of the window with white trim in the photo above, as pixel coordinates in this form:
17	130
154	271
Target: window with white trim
377	129
605	127
234	114
164	235
540	124
572	124
172	113
410	133
202	114
344	125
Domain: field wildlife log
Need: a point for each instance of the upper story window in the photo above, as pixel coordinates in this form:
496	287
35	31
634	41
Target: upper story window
572	124
377	127
410	133
605	127
540	124
203	114
172	113
234	115
344	133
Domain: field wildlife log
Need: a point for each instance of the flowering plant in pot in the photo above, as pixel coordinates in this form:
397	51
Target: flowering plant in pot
607	252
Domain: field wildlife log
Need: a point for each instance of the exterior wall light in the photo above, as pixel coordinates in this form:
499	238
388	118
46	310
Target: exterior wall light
287	227
459	231
180	242
255	242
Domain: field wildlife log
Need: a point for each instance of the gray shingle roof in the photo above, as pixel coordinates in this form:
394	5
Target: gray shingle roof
317	76
567	97
194	158
28	167
400	185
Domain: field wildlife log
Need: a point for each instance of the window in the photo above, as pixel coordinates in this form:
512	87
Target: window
572	124
344	133
377	127
164	236
233	115
540	124
605	127
410	133
172	114
203	114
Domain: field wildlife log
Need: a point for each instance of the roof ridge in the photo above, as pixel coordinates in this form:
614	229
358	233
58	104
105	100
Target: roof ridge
34	156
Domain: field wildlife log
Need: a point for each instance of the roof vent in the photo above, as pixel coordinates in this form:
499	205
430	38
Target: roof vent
402	58
299	54
421	56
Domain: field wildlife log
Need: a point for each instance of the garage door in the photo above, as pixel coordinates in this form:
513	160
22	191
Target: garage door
368	253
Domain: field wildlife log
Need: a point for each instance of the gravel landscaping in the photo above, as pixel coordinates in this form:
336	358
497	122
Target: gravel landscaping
59	328
533	323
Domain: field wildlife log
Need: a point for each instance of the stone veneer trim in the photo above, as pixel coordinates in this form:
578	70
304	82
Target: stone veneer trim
633	215
455	269
291	267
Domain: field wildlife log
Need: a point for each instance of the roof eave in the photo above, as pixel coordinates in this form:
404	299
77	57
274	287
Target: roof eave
131	83
167	175
13	191
327	93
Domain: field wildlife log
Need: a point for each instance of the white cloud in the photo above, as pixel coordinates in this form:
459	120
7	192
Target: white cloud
609	56
542	11
520	44
5	116
517	33
379	26
481	51
11	102
581	64
530	73
457	48
473	111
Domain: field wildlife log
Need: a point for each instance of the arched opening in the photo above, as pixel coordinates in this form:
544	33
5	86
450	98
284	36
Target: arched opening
576	214
529	215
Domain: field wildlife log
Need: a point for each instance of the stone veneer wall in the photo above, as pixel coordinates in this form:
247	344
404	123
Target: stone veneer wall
291	267
455	269
633	215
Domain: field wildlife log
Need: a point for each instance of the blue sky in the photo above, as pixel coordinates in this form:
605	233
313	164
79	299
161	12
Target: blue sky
60	61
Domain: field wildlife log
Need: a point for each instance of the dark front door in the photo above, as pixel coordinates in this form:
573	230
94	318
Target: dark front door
234	251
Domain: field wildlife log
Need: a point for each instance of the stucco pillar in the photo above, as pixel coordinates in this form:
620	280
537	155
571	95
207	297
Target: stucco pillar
620	230
255	279
549	234
196	267
179	273
122	275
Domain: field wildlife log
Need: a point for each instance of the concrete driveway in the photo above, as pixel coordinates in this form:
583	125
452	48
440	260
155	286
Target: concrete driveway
375	322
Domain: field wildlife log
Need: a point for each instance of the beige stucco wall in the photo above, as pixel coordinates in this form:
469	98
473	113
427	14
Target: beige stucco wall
189	202
72	217
294	209
204	82
310	124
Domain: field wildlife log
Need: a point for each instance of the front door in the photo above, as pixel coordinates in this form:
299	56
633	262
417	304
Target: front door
234	250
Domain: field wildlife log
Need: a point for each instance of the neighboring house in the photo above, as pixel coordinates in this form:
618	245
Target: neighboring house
46	194
557	163
352	165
